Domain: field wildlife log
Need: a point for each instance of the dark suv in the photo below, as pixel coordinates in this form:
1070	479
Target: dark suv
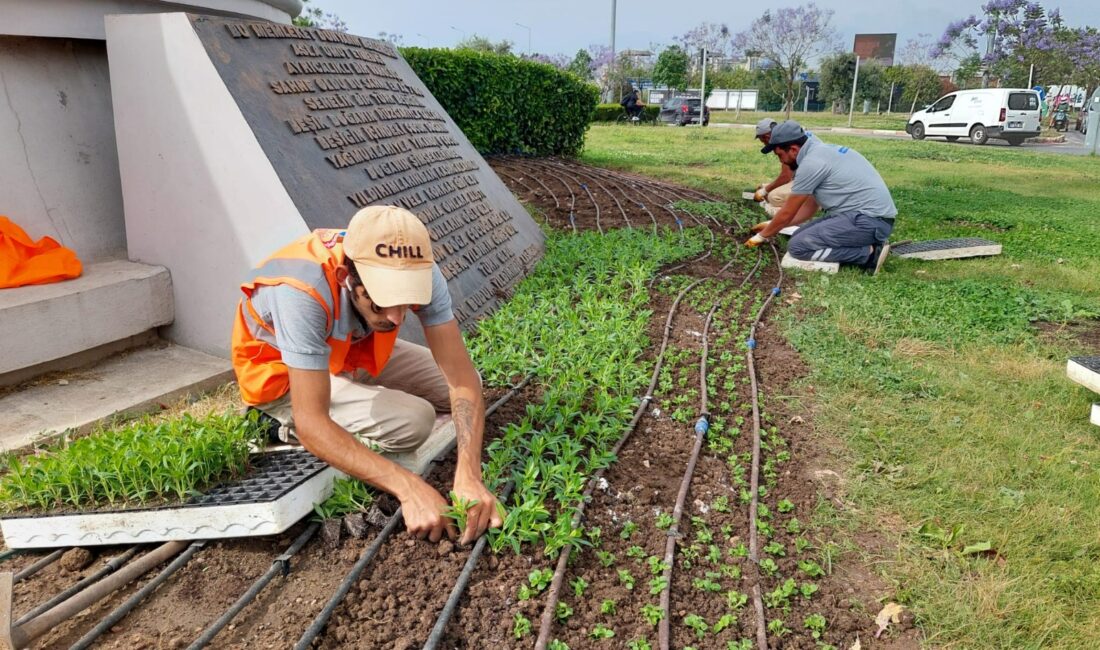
682	111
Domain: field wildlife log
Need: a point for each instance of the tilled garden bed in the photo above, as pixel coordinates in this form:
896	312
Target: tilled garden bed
611	586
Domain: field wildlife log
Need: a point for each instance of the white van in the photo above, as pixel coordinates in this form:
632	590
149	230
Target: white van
1010	114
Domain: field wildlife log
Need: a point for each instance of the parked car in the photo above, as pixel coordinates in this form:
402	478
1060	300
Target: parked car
682	111
1010	114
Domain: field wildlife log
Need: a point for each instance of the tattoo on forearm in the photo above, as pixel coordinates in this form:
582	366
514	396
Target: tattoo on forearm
462	411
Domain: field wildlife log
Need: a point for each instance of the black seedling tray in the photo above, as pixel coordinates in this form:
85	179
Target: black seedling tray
940	245
1092	363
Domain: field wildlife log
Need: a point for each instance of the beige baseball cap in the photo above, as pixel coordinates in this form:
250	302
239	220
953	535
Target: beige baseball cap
392	251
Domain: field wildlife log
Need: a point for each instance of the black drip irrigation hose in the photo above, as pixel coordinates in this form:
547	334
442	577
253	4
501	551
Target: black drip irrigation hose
572	195
10	553
112	565
122	610
319	623
552	594
37	566
582	171
754	483
451	605
557	204
702	426
281	566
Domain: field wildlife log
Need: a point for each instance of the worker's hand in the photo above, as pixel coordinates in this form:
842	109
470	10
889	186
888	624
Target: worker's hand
760	194
755	241
484	514
423	506
762	225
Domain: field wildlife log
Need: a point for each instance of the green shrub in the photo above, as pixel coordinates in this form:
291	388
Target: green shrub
504	104
611	112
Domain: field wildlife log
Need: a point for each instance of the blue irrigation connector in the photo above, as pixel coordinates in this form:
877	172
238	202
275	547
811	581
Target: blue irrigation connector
702	426
584	186
775	291
752	344
679	223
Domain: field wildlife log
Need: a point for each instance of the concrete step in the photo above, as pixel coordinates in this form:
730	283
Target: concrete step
130	383
111	301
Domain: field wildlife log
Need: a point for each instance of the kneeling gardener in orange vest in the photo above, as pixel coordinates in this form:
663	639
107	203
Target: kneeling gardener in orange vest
315	347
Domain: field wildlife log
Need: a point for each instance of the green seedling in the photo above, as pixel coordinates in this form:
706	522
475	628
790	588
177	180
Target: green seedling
664	520
652	614
593	535
725	621
714	554
706	584
739	551
628	530
764	528
521	626
605	558
781	597
698	624
626	578
775	548
740	644
607	607
348	496
459	510
762	511
784	506
769	567
730	571
794	526
801	544
727	531
636	552
657	566
776	627
639	644
601	632
808	589
563	611
557	645
525	593
540	579
578	584
657	585
811	568
815	623
735	600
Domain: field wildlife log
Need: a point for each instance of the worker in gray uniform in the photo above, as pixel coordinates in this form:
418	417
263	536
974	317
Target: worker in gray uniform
859	211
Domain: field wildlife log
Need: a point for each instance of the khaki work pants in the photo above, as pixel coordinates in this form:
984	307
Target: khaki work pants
394	411
776	199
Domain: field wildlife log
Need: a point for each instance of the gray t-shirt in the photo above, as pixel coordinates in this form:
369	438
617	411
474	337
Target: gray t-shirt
301	326
841	181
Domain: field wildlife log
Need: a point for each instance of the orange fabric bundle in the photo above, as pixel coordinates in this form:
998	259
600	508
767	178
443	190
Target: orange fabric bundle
23	261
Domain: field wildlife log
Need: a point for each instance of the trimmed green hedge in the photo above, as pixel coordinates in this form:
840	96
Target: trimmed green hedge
505	104
611	112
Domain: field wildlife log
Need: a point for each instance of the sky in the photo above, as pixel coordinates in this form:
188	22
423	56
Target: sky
565	26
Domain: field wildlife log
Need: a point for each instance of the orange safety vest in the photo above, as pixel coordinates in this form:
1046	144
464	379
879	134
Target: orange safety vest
308	264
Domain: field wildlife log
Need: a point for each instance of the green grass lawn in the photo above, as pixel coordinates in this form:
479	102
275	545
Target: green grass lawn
950	408
892	121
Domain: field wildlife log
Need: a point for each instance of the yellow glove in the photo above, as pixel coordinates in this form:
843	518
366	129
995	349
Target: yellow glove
755	241
762	225
760	195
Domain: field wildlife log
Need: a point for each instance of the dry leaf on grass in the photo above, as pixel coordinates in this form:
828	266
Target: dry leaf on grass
890	613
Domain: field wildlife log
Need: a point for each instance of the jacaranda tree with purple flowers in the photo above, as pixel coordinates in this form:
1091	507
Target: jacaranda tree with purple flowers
1009	38
789	38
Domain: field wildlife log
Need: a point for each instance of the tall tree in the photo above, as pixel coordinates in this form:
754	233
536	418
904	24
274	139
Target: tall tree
920	85
1010	38
671	69
581	65
713	36
314	16
838	73
789	38
482	44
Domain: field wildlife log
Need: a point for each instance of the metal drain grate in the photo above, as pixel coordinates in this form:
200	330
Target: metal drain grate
1091	363
946	249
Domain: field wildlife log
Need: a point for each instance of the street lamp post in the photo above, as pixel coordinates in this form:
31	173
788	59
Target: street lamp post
528	37
611	66
426	42
460	31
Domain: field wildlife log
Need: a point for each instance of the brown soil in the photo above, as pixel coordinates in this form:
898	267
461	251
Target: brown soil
1084	334
393	604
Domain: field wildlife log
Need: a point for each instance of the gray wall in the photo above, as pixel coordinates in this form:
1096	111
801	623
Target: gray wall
58	160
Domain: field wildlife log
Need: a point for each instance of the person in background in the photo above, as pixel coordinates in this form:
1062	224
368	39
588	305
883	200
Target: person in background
859	211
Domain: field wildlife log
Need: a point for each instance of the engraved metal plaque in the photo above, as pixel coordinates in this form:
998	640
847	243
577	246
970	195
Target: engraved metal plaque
346	123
